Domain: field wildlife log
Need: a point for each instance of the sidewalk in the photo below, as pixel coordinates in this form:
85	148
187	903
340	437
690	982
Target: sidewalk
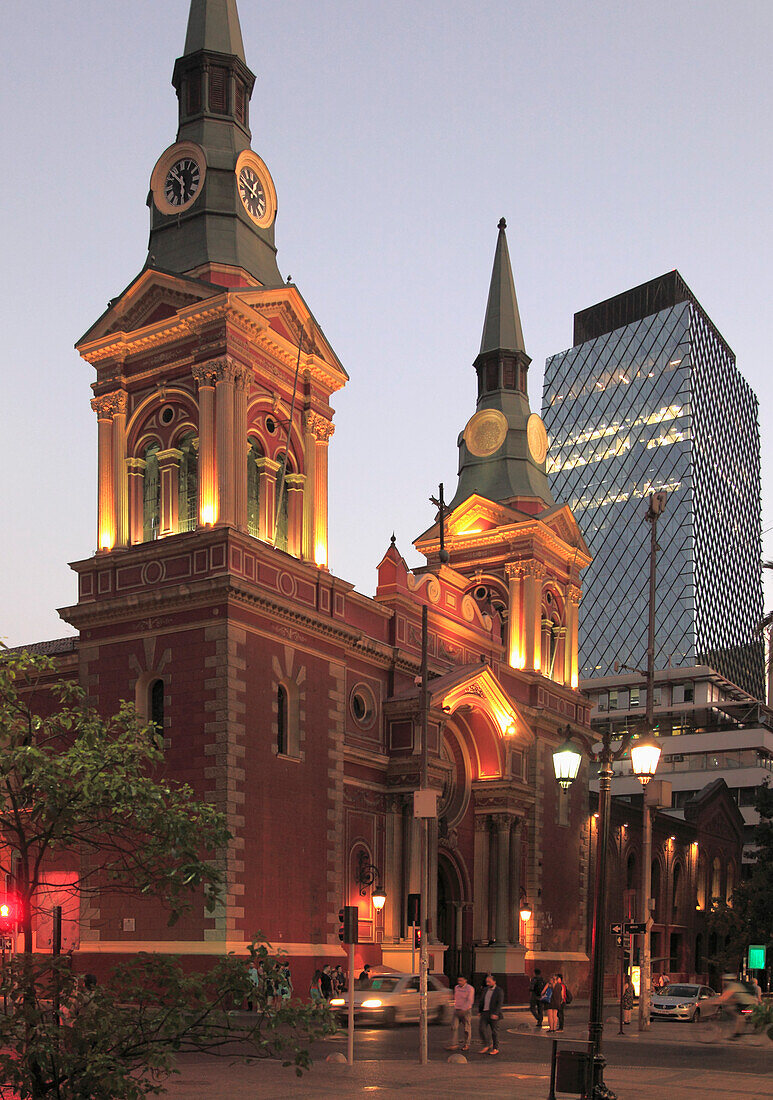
205	1081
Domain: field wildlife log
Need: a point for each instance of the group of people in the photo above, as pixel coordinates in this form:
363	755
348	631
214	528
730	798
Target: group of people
490	1001
272	990
549	995
328	982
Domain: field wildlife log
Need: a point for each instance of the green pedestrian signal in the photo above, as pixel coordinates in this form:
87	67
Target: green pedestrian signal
756	956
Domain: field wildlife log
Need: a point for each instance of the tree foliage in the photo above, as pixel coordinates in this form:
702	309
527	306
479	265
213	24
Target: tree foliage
750	919
88	795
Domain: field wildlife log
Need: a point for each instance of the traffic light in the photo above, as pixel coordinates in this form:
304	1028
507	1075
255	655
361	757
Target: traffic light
414	909
8	917
348	924
417	937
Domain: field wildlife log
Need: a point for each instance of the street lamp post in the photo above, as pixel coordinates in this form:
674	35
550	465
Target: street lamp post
566	763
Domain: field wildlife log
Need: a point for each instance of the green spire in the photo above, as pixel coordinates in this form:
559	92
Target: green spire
502	328
213	25
496	457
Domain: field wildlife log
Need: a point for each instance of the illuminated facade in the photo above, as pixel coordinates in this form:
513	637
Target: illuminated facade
650	398
286	698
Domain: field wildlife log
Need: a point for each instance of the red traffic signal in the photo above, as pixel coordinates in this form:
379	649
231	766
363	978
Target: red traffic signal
8	916
417	937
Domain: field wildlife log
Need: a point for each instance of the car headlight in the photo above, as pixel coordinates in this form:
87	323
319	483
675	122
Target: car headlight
683	1006
372	1002
337	1002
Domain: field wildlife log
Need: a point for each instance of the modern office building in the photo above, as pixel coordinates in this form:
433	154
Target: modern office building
649	398
708	727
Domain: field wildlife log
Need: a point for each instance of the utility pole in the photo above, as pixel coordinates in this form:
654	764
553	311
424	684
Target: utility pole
657	504
423	919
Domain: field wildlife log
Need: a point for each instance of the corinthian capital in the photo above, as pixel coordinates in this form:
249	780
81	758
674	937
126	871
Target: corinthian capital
108	405
574	594
318	426
222	369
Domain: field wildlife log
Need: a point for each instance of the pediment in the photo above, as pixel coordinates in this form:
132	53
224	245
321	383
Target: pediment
477	687
153	296
560	519
473	515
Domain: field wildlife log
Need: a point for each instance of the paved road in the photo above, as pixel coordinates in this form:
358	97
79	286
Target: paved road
668	1043
669	1061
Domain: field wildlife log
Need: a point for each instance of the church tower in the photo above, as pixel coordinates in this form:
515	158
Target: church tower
521	552
213	380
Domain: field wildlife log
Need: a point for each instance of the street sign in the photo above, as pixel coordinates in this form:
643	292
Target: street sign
616	929
619	939
636	928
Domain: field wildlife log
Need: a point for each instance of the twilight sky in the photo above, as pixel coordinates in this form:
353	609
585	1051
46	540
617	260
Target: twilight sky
618	140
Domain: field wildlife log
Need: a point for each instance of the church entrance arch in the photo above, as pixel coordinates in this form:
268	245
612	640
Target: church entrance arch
453	917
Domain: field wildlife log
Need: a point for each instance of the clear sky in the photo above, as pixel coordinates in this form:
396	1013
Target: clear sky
619	140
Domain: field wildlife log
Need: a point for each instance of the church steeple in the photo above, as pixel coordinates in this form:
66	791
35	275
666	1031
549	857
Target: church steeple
503	448
214	25
212	200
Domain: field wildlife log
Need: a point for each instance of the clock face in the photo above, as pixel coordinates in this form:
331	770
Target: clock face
182	182
537	438
251	192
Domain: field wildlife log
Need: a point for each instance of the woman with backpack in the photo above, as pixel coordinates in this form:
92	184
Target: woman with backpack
546	1000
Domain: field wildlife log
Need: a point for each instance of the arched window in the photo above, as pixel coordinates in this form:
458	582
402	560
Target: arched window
702	884
630	872
151	497
188	504
254	454
282	719
288	718
676	900
655	887
716	883
730	884
156	706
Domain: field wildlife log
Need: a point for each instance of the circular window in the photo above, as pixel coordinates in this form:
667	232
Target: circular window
167	415
363	705
270	425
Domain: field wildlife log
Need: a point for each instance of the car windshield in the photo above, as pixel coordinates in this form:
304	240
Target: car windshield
383	985
680	991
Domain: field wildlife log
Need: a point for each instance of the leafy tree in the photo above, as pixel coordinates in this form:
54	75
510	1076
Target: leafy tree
87	794
750	919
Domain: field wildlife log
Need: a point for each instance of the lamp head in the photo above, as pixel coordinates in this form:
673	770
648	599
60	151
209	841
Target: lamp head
566	763
645	754
378	897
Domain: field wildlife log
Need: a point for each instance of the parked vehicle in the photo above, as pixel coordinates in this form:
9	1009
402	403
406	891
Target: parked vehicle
685	1002
393	998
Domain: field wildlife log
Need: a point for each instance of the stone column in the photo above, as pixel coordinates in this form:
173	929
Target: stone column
169	476
560	661
106	407
571	650
481	856
515	883
224	436
392	880
294	484
267	471
135	472
320	430
432	840
206	374
503	823
516	650
532	614
241	386
120	473
309	460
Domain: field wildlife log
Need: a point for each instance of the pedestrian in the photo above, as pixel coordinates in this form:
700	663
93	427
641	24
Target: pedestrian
556	1003
546	999
253	995
564	1000
464	996
627	1000
326	983
315	988
536	1007
284	987
365	975
490	1008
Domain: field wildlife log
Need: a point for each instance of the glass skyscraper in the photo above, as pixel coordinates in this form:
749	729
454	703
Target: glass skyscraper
650	398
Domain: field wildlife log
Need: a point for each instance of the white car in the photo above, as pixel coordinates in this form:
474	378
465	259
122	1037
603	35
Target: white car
685	1002
393	998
